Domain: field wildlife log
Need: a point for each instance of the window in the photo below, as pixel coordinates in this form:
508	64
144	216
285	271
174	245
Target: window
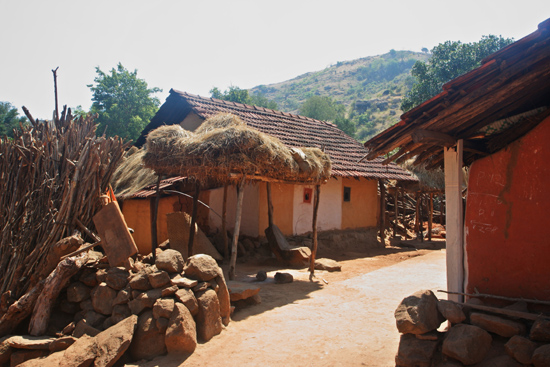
347	193
308	193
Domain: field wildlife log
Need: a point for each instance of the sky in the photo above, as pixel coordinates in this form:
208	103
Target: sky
194	46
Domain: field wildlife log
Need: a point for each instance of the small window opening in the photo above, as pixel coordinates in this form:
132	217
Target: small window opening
308	193
347	193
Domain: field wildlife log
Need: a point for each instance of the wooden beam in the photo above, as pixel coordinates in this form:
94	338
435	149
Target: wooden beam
421	136
314	228
269	204
154	239
382	221
238	212
430	215
455	221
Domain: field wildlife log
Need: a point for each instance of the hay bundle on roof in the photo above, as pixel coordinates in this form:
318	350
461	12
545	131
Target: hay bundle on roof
225	146
130	175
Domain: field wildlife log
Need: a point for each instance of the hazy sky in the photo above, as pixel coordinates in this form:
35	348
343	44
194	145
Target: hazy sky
196	45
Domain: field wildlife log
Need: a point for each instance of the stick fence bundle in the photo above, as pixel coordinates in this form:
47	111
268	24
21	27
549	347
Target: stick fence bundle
51	174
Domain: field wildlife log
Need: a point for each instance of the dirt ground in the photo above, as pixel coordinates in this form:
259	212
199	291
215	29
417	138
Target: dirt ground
337	319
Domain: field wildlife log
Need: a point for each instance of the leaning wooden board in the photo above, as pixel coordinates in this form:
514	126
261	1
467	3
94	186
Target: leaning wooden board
116	239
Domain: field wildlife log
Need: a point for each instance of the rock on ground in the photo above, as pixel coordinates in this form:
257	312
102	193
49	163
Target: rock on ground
202	267
414	352
521	349
327	264
170	261
181	332
209	321
148	341
418	313
451	311
540	331
467	343
497	325
541	356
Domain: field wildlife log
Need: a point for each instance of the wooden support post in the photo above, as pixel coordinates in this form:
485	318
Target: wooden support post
421	215
154	239
193	219
396	210
403	212
430	215
442	209
224	226
240	194
417	212
269	204
314	225
382	224
455	221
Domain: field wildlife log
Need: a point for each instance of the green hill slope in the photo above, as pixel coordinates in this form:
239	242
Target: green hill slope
371	88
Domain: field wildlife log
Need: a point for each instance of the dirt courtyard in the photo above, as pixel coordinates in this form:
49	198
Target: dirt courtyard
338	319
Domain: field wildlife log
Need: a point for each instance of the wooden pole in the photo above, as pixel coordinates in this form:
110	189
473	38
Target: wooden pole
441	209
454	220
269	204
403	212
224	226
54	71
430	215
417	212
193	219
240	194
314	224
396	210
382	188
421	215
154	239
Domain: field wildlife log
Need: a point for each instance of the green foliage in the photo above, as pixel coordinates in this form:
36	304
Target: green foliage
236	94
9	119
326	109
124	102
448	61
78	112
383	70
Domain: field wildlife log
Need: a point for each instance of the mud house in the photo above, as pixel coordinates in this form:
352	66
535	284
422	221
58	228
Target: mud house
496	120
349	201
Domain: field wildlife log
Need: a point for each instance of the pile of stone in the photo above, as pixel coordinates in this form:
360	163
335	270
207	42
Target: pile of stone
472	337
117	315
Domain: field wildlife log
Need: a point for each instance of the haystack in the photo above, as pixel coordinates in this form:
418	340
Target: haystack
224	146
131	176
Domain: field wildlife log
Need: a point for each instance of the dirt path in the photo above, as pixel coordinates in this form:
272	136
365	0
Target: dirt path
347	322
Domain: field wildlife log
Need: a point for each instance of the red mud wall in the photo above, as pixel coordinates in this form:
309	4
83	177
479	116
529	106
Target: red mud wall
508	219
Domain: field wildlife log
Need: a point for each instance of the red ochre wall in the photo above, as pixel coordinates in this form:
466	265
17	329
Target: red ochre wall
507	238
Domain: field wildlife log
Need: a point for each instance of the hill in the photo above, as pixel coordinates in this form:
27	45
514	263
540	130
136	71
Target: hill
371	88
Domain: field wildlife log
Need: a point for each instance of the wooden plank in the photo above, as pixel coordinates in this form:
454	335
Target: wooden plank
455	225
116	239
238	212
179	225
433	138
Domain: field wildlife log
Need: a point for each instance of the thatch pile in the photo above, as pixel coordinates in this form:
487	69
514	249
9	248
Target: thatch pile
130	175
224	146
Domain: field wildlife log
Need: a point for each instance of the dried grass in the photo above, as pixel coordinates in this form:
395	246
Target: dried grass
224	145
131	176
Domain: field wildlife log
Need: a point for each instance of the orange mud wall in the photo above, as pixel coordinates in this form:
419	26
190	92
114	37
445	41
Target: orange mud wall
507	245
362	209
282	196
137	213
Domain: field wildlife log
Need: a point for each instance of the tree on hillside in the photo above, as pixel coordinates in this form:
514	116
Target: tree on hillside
236	94
326	109
124	102
448	61
9	119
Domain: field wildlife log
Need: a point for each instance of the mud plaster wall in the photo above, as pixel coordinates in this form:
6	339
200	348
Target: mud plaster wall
507	219
283	217
362	209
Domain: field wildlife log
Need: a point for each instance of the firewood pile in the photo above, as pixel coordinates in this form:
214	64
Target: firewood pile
52	174
478	333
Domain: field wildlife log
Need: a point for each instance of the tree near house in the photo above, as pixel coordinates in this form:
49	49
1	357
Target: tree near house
9	119
448	61
124	103
326	109
236	94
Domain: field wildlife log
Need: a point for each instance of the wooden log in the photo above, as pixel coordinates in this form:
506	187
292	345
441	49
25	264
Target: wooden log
53	285
403	214
504	311
58	251
81	250
314	225
20	310
430	215
510	299
417	213
238	212
224	225
193	218
382	220
396	208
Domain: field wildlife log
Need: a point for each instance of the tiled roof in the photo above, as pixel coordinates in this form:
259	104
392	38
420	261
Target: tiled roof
293	130
511	85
